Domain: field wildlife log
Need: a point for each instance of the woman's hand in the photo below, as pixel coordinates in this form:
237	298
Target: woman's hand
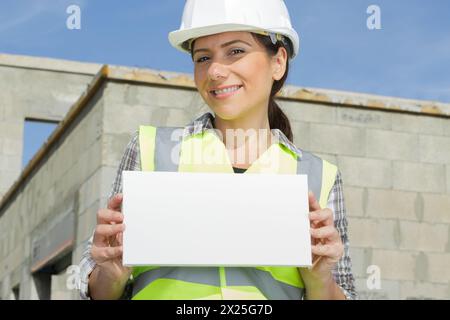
327	250
109	276
326	244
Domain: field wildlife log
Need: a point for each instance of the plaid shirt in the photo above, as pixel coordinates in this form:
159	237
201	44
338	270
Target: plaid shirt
131	162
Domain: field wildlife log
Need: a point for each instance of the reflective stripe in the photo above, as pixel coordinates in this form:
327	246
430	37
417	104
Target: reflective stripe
167	145
169	289
288	275
263	280
147	147
328	179
311	165
223	279
200	275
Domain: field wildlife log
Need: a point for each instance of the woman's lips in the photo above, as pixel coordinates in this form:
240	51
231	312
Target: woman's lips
225	95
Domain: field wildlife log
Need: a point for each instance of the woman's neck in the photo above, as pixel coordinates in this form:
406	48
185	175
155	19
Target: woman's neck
245	138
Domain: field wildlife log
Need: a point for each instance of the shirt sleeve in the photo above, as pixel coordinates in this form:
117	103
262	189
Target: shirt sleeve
342	272
130	162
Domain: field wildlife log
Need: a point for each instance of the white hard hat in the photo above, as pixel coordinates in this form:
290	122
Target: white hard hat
207	17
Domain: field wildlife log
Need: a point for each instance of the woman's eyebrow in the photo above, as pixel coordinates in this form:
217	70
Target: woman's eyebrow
224	45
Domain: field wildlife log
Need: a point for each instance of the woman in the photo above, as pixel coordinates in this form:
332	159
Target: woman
241	54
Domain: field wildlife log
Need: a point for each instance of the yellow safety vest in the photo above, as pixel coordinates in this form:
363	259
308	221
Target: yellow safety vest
205	152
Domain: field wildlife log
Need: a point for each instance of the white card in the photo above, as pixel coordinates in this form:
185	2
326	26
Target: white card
215	219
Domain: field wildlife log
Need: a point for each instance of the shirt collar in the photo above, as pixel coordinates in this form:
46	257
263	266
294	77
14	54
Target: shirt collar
205	122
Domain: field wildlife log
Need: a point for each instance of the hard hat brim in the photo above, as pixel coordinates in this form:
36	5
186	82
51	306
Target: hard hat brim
179	37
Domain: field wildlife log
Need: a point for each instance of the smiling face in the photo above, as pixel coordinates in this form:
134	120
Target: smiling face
237	61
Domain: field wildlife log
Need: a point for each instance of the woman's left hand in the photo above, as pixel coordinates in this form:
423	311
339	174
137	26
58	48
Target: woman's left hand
326	244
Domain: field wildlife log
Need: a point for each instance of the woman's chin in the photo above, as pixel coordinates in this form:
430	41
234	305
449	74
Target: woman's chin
228	112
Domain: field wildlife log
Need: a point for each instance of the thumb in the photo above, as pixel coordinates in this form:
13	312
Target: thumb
313	203
115	202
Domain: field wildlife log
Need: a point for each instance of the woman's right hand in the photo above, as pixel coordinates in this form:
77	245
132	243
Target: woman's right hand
107	243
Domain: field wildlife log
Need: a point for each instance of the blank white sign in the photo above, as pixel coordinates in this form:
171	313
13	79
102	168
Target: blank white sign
215	219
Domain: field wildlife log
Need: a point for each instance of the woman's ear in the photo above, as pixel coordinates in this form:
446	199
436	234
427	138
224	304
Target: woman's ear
279	64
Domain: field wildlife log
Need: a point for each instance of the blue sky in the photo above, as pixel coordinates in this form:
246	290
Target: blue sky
409	57
35	134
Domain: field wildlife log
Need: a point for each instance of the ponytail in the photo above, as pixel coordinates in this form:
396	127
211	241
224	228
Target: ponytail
277	118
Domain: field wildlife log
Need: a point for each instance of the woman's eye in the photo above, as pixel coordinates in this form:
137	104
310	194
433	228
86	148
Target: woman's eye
237	50
234	52
200	60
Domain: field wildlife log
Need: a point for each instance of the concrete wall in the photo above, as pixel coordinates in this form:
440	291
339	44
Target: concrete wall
395	171
33	88
57	188
395	166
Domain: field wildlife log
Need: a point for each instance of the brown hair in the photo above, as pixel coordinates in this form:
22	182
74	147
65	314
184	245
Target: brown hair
277	118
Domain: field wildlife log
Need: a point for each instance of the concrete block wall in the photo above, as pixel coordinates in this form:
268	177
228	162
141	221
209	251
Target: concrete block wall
68	180
29	92
395	170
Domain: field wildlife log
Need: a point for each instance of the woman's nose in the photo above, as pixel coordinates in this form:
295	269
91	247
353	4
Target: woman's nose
217	71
